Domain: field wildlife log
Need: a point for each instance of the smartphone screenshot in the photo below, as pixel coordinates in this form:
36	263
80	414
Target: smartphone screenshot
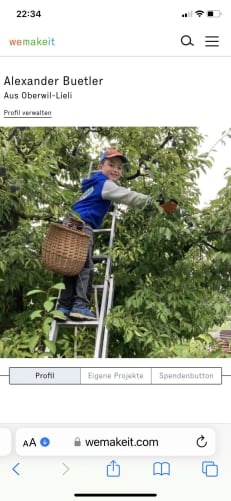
115	316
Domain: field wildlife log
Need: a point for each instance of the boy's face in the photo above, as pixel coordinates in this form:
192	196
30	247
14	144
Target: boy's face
112	168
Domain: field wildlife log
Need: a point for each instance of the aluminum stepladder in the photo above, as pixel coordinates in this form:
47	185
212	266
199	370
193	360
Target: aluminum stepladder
107	289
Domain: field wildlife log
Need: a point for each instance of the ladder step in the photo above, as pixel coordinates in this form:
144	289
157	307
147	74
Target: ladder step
102	230
98	259
72	323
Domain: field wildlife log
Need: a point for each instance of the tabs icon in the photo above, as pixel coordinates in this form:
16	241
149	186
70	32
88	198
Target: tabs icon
210	469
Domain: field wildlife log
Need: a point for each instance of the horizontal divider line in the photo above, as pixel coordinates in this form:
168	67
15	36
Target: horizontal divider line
126	494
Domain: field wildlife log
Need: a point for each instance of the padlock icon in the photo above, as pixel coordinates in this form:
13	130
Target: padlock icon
77	442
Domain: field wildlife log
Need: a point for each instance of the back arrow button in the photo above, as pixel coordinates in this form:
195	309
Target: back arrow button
15	469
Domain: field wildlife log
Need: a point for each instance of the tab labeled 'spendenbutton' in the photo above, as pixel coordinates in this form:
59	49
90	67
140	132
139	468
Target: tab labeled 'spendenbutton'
44	375
187	375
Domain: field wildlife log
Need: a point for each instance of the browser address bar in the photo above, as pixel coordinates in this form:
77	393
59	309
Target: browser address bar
117	441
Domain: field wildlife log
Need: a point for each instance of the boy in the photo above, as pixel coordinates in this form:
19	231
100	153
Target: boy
98	192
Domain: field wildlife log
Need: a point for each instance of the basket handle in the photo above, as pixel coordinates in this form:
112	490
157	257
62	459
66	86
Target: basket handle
76	223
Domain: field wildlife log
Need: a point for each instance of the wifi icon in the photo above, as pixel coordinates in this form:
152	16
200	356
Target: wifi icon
199	13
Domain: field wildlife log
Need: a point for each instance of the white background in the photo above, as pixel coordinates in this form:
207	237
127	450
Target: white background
127	28
136	91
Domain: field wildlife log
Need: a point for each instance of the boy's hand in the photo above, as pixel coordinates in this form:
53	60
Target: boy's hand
169	206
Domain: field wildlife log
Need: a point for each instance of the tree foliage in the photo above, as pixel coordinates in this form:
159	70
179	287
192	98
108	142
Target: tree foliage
172	271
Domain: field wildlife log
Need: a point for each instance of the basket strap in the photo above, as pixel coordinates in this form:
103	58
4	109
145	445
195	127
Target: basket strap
80	225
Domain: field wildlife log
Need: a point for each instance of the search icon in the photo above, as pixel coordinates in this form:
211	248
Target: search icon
186	40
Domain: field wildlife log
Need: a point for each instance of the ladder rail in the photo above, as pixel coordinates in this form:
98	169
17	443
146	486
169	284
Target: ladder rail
53	333
104	352
104	302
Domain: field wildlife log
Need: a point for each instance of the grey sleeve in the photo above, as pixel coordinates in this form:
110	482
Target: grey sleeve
118	194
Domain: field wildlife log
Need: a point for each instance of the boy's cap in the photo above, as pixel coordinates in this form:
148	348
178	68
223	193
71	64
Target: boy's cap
111	154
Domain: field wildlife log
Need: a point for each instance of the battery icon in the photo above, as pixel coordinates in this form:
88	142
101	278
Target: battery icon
213	13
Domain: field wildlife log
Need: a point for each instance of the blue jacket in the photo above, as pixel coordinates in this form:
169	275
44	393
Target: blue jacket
91	207
98	192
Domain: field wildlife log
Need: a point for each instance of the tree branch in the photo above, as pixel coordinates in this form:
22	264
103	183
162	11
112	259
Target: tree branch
147	158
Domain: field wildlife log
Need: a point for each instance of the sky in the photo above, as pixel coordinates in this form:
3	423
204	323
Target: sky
213	181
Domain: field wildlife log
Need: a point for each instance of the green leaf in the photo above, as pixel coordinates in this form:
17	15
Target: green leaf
45	355
33	342
47	325
59	314
36	291
206	337
48	305
36	314
51	346
128	336
75	215
58	286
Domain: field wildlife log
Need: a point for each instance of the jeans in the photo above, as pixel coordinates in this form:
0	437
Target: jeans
78	289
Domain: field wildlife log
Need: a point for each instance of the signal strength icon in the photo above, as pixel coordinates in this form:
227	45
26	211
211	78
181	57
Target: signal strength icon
187	14
199	13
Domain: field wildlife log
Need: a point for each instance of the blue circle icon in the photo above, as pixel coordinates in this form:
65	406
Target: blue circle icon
44	441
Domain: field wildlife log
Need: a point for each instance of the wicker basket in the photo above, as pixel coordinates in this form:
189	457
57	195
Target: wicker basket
64	249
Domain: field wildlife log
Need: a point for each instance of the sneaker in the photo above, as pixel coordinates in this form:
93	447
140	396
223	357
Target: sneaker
82	313
61	314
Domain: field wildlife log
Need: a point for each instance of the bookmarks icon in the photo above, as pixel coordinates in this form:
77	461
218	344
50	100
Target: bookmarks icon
161	468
